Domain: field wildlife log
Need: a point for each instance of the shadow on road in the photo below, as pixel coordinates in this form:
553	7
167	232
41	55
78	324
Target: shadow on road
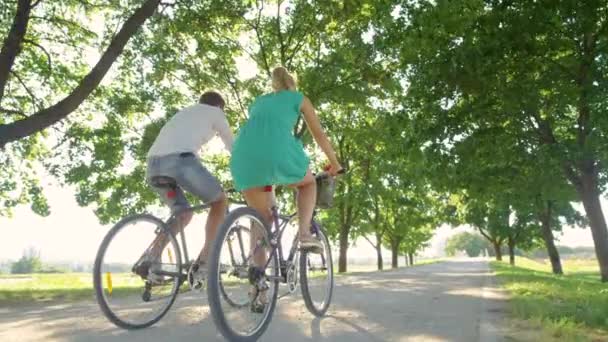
448	301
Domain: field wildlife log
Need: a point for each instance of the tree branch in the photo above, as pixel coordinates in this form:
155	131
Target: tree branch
279	34
484	234
294	52
256	28
48	55
294	29
27	90
48	116
370	241
262	51
13	111
298	129
547	137
238	98
12	44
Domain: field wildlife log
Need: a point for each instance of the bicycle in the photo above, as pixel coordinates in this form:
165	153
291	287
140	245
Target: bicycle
315	272
132	301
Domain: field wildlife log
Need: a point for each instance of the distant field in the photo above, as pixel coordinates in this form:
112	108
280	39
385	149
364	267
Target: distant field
60	286
573	307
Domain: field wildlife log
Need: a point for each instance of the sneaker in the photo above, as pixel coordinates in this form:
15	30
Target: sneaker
197	274
311	244
258	299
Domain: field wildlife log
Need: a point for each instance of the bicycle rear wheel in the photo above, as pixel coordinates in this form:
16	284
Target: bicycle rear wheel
231	279
317	276
127	299
238	242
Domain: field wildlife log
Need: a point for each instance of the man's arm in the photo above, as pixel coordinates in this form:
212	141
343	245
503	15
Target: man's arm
223	130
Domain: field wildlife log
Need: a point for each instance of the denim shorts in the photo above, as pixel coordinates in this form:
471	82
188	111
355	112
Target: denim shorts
189	174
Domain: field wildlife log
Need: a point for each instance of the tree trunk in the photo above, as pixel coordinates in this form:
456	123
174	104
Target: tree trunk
511	244
378	247
405	261
411	257
497	251
547	233
12	44
46	117
394	254
379	256
394	260
597	222
342	259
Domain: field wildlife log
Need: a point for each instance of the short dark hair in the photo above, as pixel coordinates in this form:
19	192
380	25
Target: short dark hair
212	98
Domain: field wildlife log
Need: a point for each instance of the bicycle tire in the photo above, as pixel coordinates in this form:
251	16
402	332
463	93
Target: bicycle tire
213	286
97	277
310	305
223	291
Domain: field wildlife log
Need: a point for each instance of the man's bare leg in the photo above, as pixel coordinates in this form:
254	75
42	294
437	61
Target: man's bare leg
217	212
177	226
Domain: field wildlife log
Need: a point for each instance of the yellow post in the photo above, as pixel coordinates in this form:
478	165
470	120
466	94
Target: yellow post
109	281
170	255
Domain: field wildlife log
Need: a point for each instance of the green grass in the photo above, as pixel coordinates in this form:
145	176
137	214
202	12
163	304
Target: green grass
61	286
572	307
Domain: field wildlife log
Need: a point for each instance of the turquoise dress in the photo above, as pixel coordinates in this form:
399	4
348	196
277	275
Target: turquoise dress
265	151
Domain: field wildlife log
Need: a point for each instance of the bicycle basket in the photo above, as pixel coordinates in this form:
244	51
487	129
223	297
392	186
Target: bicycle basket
325	192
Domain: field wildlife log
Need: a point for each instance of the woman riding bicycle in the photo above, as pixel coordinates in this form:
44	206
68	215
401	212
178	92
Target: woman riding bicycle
266	153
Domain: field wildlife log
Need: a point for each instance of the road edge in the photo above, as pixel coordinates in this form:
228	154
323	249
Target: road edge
493	308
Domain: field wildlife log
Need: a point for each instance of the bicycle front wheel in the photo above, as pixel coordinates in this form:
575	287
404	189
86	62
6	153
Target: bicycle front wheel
242	297
133	289
317	276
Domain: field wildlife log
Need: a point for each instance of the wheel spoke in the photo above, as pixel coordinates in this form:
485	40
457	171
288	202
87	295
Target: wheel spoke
133	289
234	302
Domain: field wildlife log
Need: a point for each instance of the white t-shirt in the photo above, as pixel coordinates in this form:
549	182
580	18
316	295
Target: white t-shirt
189	129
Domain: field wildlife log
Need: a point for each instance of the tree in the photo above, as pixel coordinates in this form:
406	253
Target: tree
531	70
472	244
101	147
35	51
46	117
30	262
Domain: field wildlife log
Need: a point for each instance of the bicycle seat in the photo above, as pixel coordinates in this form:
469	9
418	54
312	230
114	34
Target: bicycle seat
163	182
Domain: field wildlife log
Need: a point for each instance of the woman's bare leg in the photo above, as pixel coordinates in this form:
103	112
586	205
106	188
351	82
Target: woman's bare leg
306	199
259	200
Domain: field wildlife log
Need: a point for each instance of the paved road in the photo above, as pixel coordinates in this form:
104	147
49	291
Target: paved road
448	301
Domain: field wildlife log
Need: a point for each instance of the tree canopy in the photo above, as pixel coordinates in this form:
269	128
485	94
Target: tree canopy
487	113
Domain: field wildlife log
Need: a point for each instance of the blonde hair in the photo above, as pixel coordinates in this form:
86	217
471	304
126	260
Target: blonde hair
282	80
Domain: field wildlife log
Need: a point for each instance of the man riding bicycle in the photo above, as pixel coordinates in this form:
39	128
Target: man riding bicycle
173	167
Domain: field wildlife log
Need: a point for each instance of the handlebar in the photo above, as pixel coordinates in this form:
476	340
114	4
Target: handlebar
324	174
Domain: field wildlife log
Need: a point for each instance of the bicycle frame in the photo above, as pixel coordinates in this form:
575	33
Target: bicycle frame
174	217
279	223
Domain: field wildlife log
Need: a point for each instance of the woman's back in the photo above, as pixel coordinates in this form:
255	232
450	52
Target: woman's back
280	108
266	141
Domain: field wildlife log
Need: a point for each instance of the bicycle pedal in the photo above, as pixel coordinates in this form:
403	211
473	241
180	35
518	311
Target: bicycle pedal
199	285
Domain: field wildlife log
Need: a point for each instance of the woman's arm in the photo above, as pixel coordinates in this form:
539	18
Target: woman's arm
314	126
